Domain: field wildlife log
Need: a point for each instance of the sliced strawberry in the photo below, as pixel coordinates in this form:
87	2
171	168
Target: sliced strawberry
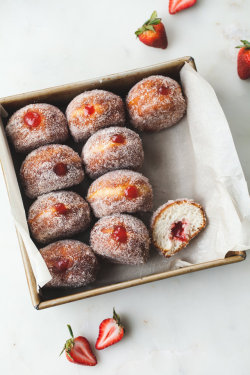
178	5
243	61
110	332
153	33
78	350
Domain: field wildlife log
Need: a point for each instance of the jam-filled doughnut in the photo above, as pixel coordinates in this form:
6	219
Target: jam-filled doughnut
71	264
57	215
93	110
112	148
36	125
120	191
121	239
155	103
175	223
49	168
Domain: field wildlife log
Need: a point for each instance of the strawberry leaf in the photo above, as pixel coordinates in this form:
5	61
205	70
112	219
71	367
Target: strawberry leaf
148	25
245	44
70	331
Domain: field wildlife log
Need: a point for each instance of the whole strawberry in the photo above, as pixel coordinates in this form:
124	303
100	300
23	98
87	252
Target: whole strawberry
153	33
78	350
244	60
110	332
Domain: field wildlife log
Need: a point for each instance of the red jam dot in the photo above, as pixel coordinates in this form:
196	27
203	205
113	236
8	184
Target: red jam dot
131	192
89	110
61	208
32	119
118	138
60	169
163	90
178	231
60	265
119	234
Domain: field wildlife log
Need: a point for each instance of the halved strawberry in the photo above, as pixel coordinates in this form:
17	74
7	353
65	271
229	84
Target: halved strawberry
153	33
78	350
110	332
178	5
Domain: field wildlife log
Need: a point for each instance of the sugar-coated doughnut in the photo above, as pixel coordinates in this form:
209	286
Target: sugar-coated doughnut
71	264
49	168
36	125
155	103
121	239
120	191
58	215
175	223
110	149
94	110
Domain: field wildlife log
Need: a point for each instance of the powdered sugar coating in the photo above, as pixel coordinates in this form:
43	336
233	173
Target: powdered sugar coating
106	195
52	129
134	251
82	262
108	111
100	154
38	176
149	110
47	224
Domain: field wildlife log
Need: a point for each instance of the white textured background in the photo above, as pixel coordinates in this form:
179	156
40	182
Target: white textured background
194	324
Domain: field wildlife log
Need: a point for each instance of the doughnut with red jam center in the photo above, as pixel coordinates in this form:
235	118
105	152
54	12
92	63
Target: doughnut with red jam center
155	103
121	239
58	215
120	191
94	110
110	149
49	168
36	125
71	264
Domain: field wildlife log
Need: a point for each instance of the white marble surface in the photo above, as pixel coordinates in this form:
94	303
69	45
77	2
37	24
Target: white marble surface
193	324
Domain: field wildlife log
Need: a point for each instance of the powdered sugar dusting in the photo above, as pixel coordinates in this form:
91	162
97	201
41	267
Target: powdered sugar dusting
47	225
108	111
106	195
38	176
151	111
100	154
134	251
83	264
52	129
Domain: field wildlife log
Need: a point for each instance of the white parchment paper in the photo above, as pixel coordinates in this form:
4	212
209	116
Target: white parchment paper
194	159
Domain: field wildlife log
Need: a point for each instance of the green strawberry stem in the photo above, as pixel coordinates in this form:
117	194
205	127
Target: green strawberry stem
148	25
70	331
69	343
245	44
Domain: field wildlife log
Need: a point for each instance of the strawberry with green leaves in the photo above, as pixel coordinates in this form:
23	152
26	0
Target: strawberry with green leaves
243	63
78	350
110	332
153	33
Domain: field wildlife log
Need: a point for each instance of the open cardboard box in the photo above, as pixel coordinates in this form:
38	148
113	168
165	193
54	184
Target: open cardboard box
61	96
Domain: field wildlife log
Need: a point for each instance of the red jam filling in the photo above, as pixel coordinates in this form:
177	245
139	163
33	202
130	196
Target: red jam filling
60	169
60	265
119	234
32	119
163	90
178	231
118	138
89	110
131	192
61	208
